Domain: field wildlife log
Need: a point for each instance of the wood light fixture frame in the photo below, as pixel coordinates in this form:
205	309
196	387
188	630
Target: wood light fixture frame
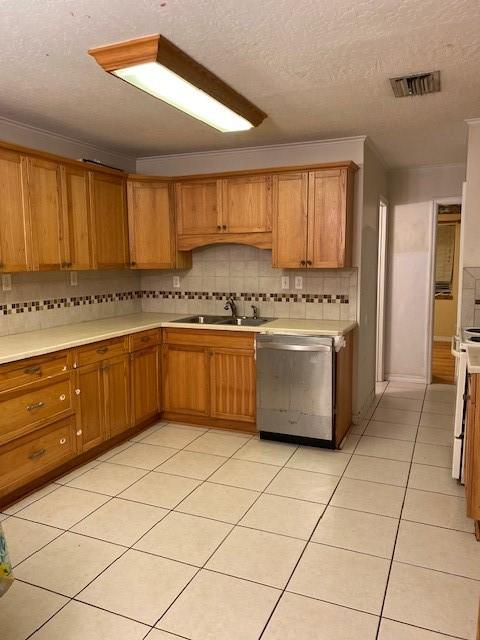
157	48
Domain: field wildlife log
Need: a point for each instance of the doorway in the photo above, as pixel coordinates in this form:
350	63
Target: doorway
447	223
381	282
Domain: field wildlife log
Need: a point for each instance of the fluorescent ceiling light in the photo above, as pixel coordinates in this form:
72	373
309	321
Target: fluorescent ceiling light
155	65
164	84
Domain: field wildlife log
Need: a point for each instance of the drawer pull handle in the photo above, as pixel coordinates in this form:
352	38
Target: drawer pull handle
37	454
102	350
145	339
63	440
35	405
36	368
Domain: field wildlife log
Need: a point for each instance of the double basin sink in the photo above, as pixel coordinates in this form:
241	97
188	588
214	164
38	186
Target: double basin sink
238	321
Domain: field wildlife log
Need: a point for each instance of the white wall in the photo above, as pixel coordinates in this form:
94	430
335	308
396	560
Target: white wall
471	248
27	136
374	186
411	220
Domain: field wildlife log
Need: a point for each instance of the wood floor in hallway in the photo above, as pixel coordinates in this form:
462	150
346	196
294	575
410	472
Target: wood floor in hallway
443	364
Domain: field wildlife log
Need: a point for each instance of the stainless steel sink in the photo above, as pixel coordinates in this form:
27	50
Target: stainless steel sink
241	321
247	322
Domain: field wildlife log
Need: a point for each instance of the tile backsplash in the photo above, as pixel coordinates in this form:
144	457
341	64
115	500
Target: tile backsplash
471	297
42	300
246	273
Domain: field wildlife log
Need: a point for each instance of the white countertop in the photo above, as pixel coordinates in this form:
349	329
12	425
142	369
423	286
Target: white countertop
473	358
35	343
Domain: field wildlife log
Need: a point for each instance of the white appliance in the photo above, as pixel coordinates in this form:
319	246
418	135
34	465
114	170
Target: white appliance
470	335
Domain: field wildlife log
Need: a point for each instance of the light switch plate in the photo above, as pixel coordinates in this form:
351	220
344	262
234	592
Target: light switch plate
285	282
176	282
6	281
73	278
298	282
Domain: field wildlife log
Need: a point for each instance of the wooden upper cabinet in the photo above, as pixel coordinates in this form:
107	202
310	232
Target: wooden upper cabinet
151	226
78	249
198	205
109	214
313	219
46	214
329	219
15	238
290	197
247	204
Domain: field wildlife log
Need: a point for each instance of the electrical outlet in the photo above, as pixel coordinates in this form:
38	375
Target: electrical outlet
73	278
285	282
6	281
176	282
298	282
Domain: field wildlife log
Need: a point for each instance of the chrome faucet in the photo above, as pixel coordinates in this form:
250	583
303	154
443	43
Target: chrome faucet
230	304
255	312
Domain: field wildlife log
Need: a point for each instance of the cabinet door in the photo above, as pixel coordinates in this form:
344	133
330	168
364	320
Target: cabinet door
151	226
328	233
145	384
78	253
15	238
107	202
247	204
90	407
472	450
46	215
290	193
186	380
117	394
232	375
198	207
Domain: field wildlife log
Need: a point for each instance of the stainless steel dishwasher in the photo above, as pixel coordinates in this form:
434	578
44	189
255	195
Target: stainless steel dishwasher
295	388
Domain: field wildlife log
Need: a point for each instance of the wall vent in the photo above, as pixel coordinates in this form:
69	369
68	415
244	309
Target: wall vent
416	85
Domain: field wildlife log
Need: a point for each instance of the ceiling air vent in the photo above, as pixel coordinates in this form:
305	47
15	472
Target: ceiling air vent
416	85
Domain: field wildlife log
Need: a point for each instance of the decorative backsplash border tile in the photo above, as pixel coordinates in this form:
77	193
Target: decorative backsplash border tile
102	298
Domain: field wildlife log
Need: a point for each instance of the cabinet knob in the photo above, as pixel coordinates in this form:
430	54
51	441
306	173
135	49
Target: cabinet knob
224	227
303	263
219	227
63	440
77	392
309	263
79	432
133	263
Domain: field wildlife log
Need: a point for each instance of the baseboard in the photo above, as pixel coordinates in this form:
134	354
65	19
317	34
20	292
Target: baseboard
398	378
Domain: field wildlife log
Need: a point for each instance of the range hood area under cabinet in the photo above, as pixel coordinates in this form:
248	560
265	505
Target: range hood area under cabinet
57	213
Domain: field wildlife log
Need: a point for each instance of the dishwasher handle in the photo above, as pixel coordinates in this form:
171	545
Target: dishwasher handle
293	347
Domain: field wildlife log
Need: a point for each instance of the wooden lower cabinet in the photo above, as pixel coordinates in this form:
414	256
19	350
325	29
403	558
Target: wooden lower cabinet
145	384
186	383
208	383
232	384
90	405
27	458
472	452
103	389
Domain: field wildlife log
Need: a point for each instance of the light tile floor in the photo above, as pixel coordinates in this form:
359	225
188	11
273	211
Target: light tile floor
185	532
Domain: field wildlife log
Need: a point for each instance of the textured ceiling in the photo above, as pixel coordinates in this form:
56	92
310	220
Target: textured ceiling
318	68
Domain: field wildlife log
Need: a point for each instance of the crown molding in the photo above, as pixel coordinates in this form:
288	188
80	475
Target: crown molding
30	129
244	150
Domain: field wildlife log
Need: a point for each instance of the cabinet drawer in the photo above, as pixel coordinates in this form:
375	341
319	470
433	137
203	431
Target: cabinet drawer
144	339
27	458
210	338
23	372
97	351
25	410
